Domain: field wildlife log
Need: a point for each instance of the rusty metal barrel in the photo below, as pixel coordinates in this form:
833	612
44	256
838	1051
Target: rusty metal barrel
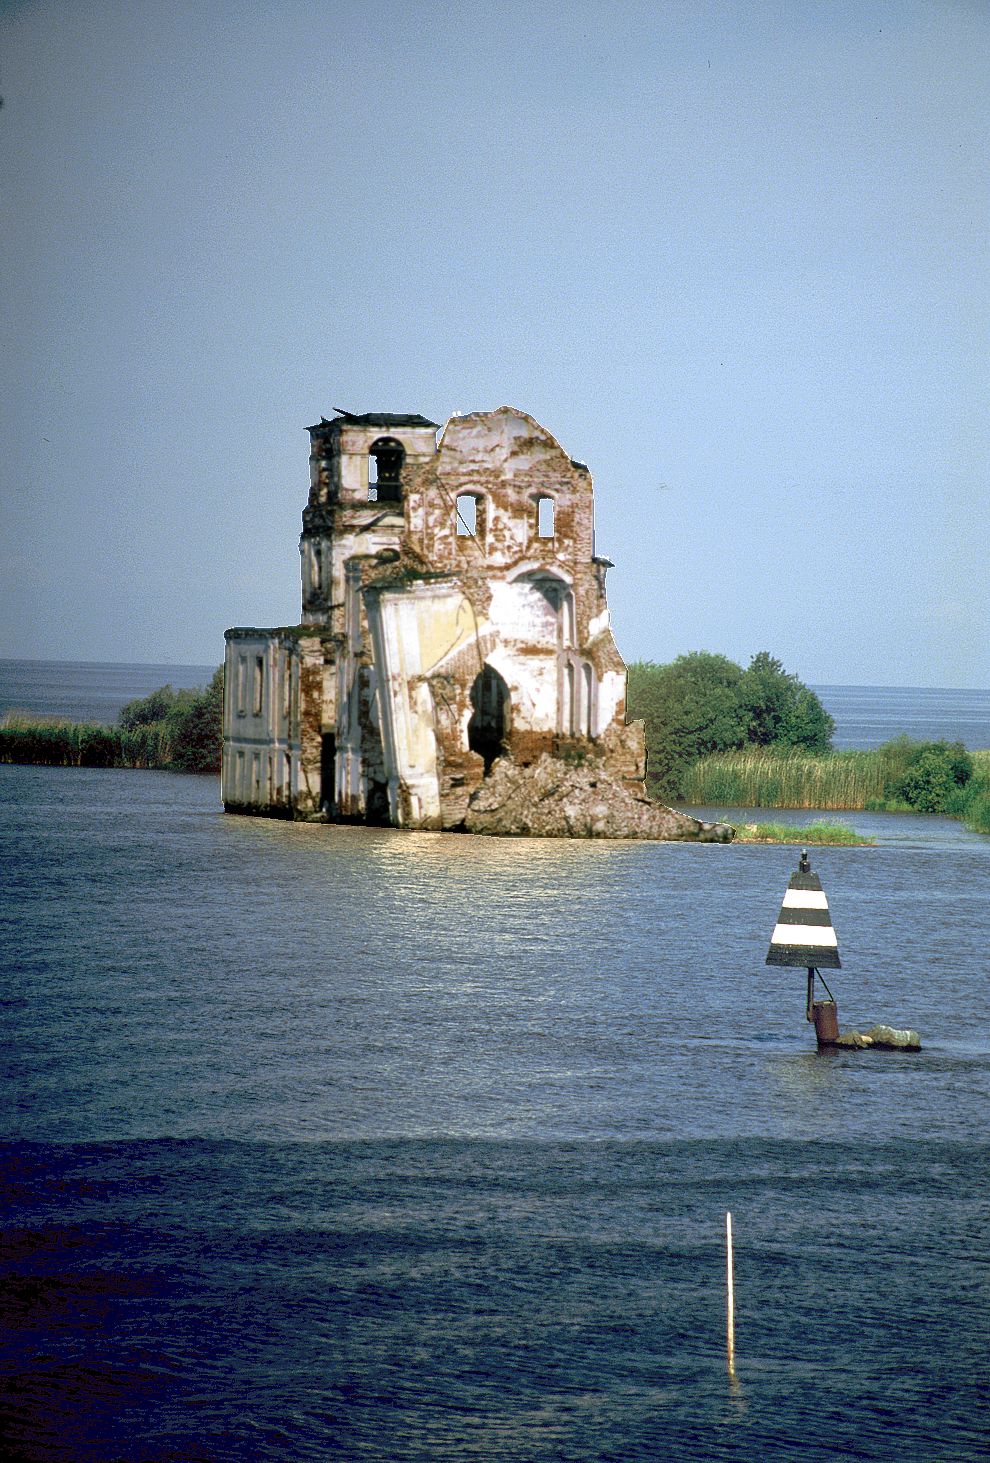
825	1015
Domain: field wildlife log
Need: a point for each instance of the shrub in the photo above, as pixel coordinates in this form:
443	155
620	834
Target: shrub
181	730
148	709
196	727
934	774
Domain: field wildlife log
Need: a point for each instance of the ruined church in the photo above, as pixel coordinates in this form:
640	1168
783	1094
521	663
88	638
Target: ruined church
454	625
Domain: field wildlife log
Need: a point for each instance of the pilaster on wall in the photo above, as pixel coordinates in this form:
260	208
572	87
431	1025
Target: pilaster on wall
312	672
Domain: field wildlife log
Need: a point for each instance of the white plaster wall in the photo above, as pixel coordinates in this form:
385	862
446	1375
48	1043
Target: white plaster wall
611	695
256	763
519	611
411	632
504	441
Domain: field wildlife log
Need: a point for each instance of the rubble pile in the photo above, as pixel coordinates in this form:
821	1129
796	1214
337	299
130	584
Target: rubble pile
553	798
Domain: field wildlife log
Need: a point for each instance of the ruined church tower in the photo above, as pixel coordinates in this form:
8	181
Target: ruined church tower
453	613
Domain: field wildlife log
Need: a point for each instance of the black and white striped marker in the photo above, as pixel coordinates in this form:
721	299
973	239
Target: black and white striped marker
803	934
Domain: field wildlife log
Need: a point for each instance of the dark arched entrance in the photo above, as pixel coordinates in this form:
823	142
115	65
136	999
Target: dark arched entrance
489	724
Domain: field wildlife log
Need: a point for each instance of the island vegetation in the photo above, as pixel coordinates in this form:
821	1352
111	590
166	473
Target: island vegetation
721	736
178	731
702	704
835	834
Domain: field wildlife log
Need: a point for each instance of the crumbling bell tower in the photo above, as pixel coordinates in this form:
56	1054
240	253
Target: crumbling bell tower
357	470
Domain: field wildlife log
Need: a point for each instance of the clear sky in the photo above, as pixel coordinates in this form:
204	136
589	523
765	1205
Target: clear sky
732	253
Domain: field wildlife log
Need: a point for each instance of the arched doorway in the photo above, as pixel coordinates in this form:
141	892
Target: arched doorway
489	723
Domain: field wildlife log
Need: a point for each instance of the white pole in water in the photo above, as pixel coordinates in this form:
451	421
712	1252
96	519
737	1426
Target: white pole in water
730	1302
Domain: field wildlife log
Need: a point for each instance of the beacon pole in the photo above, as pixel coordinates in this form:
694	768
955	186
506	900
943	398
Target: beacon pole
804	936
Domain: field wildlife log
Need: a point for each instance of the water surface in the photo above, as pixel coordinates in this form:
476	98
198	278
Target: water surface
349	1143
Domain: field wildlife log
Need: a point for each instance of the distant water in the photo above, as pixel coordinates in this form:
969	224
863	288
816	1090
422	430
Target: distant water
864	716
348	1144
87	690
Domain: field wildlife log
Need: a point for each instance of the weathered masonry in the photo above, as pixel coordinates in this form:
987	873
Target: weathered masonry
453	614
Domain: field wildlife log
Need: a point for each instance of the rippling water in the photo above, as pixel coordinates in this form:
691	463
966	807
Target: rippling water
338	1143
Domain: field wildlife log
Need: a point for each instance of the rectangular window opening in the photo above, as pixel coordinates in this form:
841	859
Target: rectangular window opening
467	516
259	683
544	517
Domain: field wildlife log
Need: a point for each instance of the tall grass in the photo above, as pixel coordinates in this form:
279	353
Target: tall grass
785	777
767	777
55	742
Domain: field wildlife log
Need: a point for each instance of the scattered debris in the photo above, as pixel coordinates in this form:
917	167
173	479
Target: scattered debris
556	799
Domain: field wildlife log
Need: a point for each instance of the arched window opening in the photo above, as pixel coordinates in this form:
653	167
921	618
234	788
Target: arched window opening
569	720
545	517
489	723
560	602
589	700
567	617
469	515
536	606
385	459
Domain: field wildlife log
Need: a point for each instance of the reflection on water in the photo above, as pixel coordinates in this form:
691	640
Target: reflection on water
353	1143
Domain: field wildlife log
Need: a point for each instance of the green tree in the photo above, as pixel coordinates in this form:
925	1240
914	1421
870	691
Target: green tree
691	707
806	723
703	703
182	730
779	710
147	709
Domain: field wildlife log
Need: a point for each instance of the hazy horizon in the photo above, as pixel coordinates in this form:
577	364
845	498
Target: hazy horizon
211	666
734	256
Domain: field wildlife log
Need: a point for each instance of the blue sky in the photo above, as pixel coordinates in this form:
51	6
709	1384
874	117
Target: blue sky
733	255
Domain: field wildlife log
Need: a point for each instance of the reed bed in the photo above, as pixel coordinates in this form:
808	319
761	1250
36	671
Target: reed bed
50	741
762	777
783	777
